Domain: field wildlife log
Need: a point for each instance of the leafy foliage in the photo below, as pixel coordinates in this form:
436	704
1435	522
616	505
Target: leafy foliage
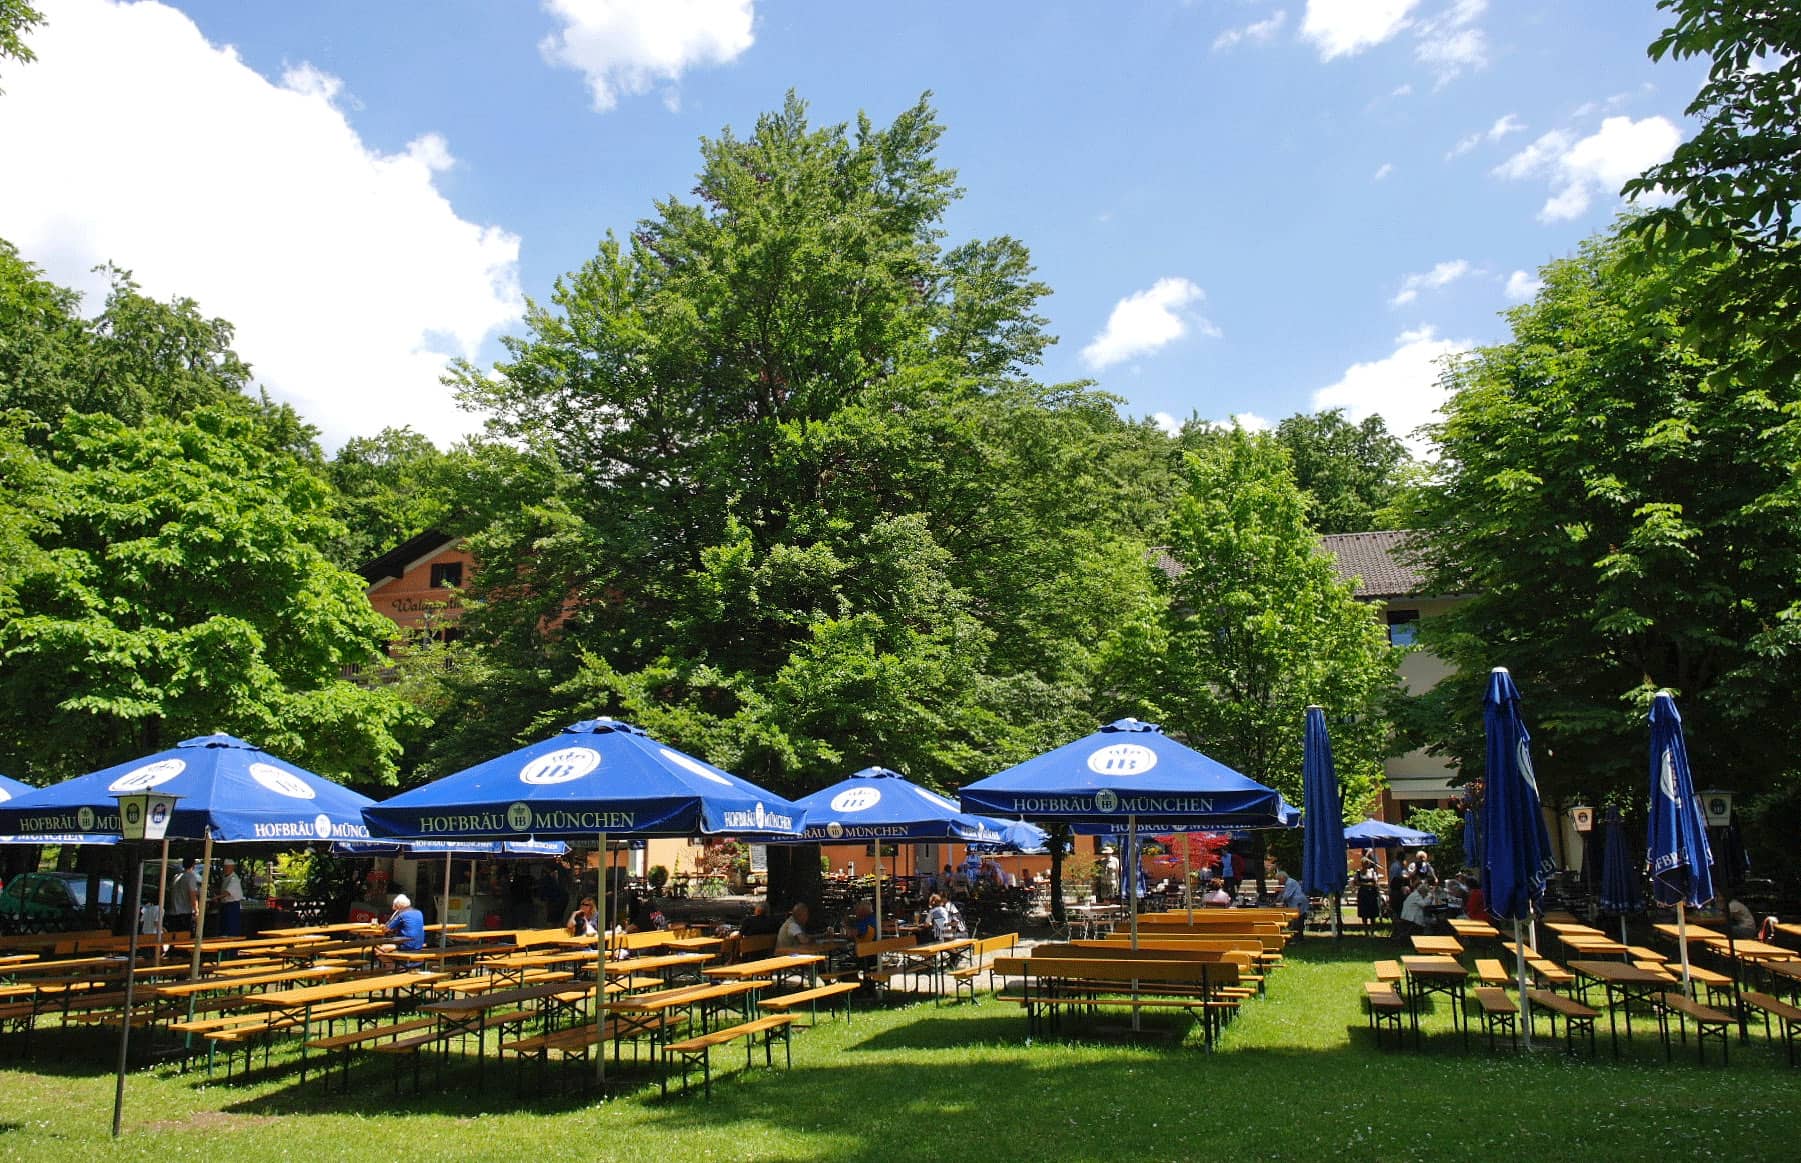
1351	473
16	19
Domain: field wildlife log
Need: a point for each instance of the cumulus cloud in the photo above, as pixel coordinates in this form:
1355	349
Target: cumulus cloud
627	47
1438	278
1503	126
1450	43
1343	28
1146	320
1579	169
1522	286
1403	388
1257	32
349	276
1382	171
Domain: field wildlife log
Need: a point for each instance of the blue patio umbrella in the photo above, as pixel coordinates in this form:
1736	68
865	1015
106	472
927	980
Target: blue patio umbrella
1619	882
595	778
1680	859
1380	834
1323	851
11	789
1473	854
1518	856
882	806
1129	775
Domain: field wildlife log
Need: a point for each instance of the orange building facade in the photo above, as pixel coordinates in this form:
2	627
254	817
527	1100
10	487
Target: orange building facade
417	584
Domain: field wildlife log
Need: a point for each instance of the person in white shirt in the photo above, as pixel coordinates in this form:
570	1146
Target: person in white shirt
231	900
793	933
184	895
1413	909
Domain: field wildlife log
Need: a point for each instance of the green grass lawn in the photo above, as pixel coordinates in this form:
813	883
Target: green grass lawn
1297	1077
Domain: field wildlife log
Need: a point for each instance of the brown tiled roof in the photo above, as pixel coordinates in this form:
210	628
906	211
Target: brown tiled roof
1369	560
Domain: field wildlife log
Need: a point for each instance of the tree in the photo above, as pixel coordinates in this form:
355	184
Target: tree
1258	627
167	582
386	488
1735	183
1351	473
16	19
1622	518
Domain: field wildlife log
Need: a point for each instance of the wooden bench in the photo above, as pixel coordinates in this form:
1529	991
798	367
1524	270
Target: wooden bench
1552	974
1384	1006
341	1045
1197	986
1389	972
811	998
1788	1017
964	977
1490	971
698	1050
1577	1018
247	1029
1717	984
880	951
1709	1023
749	948
1498	1012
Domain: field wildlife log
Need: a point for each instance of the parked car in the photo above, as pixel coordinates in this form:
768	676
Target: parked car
38	902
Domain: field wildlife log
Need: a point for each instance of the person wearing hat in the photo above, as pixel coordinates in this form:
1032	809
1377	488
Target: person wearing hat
231	900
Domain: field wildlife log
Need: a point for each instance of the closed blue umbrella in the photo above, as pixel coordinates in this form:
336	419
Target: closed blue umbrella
1379	834
1474	850
1322	856
1677	851
1518	856
1619	883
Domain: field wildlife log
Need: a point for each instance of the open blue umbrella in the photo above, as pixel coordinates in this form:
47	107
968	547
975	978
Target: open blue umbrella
1379	834
1518	857
1677	851
11	789
883	806
1128	774
1619	882
1322	854
451	849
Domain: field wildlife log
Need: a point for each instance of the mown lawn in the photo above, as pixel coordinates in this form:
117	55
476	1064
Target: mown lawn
1297	1077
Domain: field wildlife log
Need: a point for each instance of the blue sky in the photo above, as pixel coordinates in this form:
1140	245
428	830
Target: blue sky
1245	207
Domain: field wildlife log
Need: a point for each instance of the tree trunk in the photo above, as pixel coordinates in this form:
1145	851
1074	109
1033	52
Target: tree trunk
794	875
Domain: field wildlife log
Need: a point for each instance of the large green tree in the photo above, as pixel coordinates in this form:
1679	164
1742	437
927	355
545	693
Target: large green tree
1623	518
781	490
1351	473
1257	626
385	489
16	19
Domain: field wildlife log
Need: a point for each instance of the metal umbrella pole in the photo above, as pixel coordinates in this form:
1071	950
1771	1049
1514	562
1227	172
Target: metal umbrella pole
206	871
600	972
131	977
162	895
444	913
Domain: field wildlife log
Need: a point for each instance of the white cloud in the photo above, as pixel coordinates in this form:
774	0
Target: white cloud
1503	126
1146	320
1167	424
348	274
1579	169
1403	387
1522	286
1439	277
1382	171
1258	32
1402	90
628	47
1450	43
1343	28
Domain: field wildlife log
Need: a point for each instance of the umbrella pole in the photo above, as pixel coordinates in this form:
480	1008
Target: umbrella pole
162	899
444	913
206	872
1519	951
1187	879
600	978
131	977
1682	943
878	888
1132	898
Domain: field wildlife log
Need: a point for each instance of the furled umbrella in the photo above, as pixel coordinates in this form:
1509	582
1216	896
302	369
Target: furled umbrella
1677	851
1323	851
1620	893
1518	857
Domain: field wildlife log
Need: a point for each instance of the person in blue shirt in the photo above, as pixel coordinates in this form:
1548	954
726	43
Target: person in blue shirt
1293	896
861	926
407	925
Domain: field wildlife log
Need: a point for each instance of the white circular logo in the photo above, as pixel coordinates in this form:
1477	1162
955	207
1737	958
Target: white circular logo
759	816
5	795
282	783
560	766
687	764
148	776
1106	801
856	799
834	829
84	816
1666	775
1122	759
519	817
322	826
1524	751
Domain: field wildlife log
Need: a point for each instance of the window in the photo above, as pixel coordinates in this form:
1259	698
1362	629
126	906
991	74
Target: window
1403	627
446	575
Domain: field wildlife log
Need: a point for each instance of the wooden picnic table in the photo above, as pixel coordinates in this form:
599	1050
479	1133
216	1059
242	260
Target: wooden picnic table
1562	927
468	1014
490	934
932	960
771	967
1436	973
1628	981
514	966
660	963
1464	927
1437	946
651	1013
219	983
1596	946
291	1002
694	944
17	959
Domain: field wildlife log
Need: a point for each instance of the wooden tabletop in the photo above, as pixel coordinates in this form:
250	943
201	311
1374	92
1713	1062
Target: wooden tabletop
534	960
760	968
469	1003
1561	928
1464	927
216	982
647	964
1434	966
1443	946
454	953
1618	973
694	944
332	991
1601	945
1695	932
663	999
17	958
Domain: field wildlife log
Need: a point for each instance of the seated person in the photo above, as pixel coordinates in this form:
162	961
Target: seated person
1291	895
1414	917
1475	903
861	926
1216	895
1739	919
759	922
793	934
946	919
407	924
585	921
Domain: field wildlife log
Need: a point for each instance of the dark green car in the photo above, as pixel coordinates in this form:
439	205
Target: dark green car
46	902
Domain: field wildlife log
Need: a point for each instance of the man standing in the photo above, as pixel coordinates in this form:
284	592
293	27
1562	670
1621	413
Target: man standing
184	898
231	900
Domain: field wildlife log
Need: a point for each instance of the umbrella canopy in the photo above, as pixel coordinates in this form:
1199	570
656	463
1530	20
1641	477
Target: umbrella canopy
597	776
1680	858
1377	834
11	789
1473	853
1619	884
1126	770
879	804
1518	857
485	849
231	790
1322	856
